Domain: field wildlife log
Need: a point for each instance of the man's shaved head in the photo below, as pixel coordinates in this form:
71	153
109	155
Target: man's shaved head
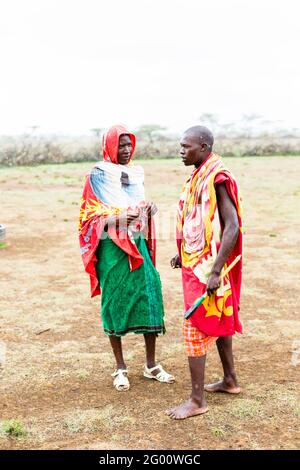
196	145
201	134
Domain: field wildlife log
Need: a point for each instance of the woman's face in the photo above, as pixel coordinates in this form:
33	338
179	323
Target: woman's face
125	149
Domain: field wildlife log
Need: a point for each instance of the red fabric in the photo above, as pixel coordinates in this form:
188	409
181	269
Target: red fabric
235	274
110	143
93	214
213	325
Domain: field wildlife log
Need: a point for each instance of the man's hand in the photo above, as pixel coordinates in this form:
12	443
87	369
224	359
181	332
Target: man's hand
175	262
213	283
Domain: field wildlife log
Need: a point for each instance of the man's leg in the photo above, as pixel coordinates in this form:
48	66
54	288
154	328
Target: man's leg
229	383
196	404
116	345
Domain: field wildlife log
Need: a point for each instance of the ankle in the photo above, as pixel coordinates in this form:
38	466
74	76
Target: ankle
121	366
198	399
151	364
230	379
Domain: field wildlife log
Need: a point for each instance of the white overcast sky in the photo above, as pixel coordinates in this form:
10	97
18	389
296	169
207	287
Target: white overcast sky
71	65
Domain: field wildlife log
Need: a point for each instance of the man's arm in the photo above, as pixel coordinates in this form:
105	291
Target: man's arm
229	219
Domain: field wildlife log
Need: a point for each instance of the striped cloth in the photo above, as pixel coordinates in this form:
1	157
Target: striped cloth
196	343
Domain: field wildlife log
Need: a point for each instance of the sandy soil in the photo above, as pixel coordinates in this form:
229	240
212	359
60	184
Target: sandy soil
56	361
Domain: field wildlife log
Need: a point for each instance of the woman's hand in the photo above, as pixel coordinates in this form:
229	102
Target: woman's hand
126	218
175	262
123	220
151	208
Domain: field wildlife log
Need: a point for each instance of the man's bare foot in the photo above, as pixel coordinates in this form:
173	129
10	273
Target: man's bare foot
222	386
187	409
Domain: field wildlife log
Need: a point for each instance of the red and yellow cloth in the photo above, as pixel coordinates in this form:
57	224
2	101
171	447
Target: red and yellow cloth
198	234
94	212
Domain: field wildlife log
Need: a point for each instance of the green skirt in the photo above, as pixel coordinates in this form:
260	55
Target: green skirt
131	301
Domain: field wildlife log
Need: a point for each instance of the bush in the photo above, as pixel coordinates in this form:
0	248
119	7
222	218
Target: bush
56	149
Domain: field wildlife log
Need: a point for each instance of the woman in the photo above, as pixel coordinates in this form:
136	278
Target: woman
116	232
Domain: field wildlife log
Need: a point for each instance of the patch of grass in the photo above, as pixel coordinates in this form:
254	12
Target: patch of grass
246	409
83	375
2	245
288	401
73	426
218	432
277	400
94	420
296	411
112	420
130	356
106	358
14	428
272	235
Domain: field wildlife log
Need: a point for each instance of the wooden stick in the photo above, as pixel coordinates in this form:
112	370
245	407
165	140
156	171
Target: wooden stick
236	260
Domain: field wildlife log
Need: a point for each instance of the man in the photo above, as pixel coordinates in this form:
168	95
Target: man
209	237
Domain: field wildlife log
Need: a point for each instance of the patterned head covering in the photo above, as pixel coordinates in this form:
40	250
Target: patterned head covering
110	143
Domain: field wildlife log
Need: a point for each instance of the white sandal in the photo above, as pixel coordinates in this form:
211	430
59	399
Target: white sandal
121	382
162	375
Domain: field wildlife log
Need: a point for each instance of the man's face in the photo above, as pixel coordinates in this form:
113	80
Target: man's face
125	149
191	150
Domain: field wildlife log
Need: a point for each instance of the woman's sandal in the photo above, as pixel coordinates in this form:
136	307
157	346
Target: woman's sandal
121	382
161	376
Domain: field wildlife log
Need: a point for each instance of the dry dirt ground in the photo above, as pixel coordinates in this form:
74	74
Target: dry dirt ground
56	361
